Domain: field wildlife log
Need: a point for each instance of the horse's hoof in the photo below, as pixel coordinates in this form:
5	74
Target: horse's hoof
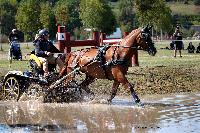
91	95
103	101
140	104
109	101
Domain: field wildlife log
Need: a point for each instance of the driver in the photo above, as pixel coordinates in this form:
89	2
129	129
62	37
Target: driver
44	49
13	35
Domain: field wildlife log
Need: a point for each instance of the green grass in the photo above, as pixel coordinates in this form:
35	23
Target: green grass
163	57
178	75
184	9
5	65
176	7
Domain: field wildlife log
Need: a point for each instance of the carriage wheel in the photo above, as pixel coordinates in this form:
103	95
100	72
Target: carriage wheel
35	91
11	89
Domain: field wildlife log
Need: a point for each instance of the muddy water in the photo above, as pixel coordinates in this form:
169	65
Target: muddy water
174	113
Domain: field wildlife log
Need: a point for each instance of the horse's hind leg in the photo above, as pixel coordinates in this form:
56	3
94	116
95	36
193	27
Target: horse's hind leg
114	91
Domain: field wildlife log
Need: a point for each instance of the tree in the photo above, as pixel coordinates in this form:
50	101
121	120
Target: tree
45	14
8	9
75	21
197	2
96	14
154	12
126	15
28	17
47	19
62	12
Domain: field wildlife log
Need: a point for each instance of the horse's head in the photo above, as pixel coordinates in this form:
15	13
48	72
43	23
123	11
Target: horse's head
145	42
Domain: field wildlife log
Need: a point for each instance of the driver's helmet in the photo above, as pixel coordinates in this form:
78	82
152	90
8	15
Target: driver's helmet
14	30
43	33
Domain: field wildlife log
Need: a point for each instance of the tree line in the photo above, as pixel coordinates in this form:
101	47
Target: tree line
29	16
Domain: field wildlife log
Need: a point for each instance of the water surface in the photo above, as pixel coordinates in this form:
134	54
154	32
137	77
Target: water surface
161	113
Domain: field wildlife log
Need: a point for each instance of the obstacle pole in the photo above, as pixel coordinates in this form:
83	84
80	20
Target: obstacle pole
61	36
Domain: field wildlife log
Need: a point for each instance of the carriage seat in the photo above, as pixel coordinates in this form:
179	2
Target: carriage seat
35	63
36	59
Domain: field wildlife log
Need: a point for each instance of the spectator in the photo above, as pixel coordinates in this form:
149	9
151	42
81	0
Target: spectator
198	49
13	35
190	48
172	45
178	44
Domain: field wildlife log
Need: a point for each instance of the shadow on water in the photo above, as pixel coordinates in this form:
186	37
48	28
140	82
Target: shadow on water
175	113
34	127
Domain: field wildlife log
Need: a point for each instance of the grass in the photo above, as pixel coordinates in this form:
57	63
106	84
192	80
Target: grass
5	65
160	74
184	9
176	7
163	57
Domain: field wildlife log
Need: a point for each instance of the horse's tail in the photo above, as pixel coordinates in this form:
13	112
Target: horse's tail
63	71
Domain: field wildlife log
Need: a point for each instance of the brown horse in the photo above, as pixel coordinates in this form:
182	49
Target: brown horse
110	62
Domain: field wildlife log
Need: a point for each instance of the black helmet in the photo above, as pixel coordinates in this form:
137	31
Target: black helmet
43	33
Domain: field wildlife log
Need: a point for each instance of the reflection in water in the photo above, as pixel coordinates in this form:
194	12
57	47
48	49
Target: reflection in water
174	113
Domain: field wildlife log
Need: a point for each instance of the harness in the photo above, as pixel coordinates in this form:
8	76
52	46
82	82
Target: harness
100	57
101	53
115	60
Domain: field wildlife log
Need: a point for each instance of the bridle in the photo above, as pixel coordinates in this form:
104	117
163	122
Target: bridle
144	36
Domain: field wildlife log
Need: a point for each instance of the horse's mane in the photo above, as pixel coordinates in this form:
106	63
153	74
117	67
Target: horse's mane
130	35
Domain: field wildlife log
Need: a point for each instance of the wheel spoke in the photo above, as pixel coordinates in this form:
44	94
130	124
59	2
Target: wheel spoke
8	95
11	82
16	88
7	83
11	88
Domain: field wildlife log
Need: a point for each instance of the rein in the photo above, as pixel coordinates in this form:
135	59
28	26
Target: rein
121	46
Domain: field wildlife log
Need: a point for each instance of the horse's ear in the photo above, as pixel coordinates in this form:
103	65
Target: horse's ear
147	26
150	27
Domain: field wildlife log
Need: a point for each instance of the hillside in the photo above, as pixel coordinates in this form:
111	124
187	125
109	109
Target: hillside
184	9
176	7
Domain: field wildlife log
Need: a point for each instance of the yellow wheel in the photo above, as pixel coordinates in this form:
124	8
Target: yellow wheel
11	89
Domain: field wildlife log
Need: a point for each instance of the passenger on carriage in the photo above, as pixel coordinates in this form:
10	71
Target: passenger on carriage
44	51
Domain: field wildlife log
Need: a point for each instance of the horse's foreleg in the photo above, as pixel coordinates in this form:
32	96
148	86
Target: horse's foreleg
120	77
114	91
133	93
84	85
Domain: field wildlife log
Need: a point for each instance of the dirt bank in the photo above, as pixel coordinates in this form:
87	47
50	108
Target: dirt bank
157	80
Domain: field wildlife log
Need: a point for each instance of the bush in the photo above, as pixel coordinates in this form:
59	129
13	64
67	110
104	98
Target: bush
197	2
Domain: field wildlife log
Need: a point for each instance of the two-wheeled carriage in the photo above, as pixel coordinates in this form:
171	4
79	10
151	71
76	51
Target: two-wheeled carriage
31	83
